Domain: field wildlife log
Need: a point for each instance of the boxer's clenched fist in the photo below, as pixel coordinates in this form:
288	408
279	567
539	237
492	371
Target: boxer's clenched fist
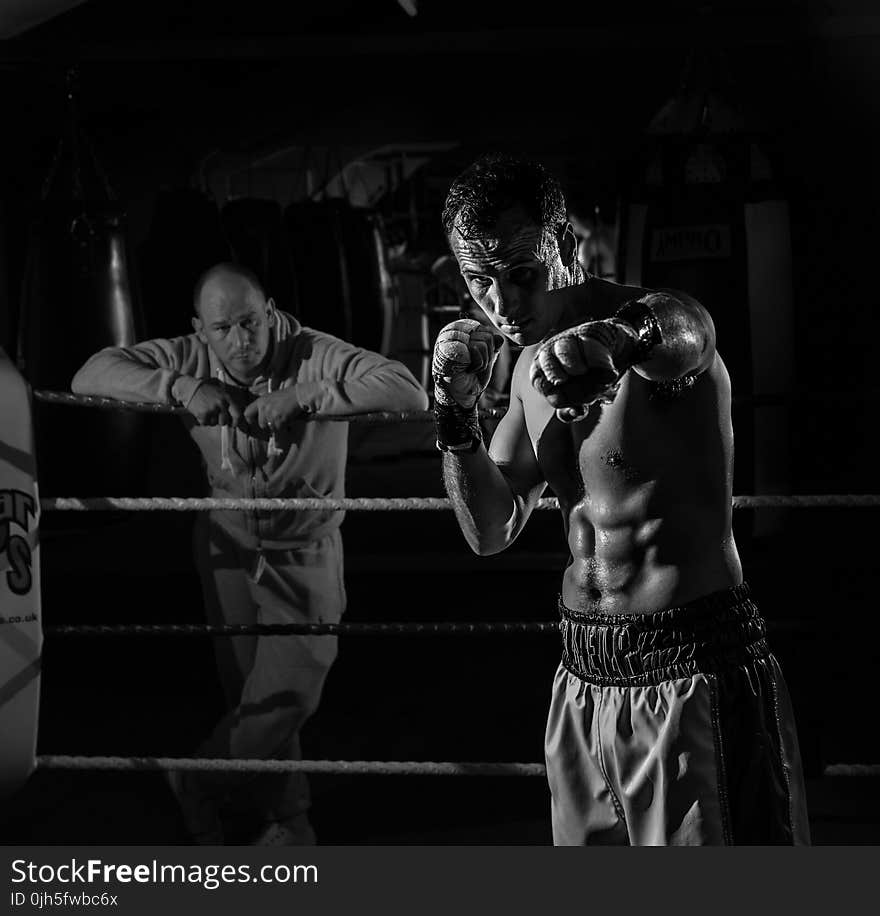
582	365
464	354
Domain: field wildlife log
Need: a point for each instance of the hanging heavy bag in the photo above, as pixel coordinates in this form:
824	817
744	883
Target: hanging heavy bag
77	297
703	213
336	264
258	239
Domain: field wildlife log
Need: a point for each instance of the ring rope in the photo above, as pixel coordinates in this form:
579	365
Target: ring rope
362	504
382	504
309	629
379	416
838	398
852	769
374	767
341	767
442	628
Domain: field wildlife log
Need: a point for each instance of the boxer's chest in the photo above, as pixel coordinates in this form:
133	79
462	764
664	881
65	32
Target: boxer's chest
617	448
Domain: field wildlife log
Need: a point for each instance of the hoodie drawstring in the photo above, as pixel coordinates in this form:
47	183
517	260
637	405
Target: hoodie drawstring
225	462
272	449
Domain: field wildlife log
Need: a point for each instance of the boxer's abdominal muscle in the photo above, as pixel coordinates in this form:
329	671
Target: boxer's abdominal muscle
645	496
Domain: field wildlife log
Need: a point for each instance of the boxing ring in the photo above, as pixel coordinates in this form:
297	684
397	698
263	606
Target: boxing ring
347	630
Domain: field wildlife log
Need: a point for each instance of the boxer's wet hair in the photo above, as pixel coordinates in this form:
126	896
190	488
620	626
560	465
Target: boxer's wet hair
226	267
497	182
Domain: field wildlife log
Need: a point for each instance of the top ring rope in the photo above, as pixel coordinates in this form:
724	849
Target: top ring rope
382	416
383	504
425	416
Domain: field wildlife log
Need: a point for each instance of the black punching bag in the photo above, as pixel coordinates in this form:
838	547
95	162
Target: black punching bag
186	238
258	237
704	214
77	297
337	258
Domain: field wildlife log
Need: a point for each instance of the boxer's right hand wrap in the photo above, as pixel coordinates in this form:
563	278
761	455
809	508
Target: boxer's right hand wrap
457	428
464	355
638	315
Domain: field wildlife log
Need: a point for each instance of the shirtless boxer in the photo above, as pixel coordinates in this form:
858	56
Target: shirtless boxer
670	722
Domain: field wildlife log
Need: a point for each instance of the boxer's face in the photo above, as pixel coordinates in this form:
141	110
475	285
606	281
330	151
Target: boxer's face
234	320
509	272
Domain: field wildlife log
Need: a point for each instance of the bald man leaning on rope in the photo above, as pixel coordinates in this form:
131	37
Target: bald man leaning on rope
247	376
670	722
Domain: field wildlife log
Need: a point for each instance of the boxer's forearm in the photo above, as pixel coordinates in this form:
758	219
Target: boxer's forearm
687	338
489	514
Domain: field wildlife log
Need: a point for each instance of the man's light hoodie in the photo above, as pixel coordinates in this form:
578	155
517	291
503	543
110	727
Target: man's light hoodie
331	378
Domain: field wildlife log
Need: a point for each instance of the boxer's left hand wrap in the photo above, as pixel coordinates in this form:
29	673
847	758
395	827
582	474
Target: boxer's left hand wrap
464	355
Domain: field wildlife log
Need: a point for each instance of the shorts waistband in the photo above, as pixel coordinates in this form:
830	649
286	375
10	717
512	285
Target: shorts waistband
718	631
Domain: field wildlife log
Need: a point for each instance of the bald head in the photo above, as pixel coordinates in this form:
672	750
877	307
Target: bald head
224	275
234	319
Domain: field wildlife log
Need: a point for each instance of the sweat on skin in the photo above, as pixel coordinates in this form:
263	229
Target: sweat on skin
526	280
508	273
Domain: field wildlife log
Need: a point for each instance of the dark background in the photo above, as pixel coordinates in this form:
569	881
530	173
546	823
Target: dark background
177	95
